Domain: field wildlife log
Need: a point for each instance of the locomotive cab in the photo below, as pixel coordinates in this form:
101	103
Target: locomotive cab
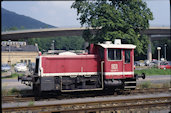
118	63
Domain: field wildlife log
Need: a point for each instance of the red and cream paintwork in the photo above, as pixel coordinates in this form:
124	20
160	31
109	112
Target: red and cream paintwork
119	69
68	65
74	65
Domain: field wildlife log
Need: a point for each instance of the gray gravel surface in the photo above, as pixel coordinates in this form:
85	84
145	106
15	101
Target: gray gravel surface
88	99
13	83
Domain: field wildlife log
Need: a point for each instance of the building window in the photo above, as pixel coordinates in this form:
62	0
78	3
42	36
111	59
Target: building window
25	61
114	54
29	61
127	56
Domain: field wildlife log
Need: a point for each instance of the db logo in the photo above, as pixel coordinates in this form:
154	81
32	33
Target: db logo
114	66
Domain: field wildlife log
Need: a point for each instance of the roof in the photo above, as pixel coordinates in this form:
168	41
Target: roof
69	56
67	53
117	45
27	48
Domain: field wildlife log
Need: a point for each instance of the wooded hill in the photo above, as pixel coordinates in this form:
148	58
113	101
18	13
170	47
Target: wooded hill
13	21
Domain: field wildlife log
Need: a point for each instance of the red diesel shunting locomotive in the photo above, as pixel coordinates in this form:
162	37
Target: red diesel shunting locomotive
106	65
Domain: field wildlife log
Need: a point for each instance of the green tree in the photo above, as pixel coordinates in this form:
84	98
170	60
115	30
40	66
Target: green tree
22	27
12	29
61	43
117	19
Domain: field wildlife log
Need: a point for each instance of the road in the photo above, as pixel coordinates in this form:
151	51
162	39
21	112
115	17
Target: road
13	83
156	79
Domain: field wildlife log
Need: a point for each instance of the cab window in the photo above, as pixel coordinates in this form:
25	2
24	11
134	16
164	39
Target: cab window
127	56
101	53
114	54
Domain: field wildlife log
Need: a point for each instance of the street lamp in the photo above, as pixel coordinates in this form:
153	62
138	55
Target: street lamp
159	48
9	59
53	46
165	51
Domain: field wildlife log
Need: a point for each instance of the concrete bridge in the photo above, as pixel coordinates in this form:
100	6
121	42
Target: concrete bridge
154	33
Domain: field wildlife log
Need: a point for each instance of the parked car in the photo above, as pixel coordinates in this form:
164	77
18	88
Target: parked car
146	62
136	63
5	67
139	63
20	67
154	63
31	67
165	65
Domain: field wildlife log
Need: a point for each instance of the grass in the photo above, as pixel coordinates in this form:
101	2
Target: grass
154	71
14	75
148	84
145	85
12	91
31	103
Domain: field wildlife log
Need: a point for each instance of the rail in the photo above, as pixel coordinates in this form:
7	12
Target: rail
30	97
93	105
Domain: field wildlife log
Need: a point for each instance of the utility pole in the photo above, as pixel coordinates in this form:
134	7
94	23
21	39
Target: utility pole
9	57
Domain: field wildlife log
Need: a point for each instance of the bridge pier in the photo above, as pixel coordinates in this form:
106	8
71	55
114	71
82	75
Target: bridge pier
149	51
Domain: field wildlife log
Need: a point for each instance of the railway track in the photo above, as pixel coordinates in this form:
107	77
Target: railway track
151	90
94	105
27	98
16	98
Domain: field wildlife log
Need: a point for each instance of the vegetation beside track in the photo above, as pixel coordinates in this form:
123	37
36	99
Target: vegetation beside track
154	71
148	85
12	91
13	75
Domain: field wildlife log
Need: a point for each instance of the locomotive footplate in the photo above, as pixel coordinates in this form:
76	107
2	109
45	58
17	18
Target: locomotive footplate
130	83
80	83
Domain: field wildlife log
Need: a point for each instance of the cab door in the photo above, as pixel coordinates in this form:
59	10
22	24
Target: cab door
128	59
113	63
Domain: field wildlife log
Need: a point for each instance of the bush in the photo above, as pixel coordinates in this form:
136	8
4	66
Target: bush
14	91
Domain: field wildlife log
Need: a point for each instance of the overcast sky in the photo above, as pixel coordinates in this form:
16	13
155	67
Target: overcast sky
59	13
